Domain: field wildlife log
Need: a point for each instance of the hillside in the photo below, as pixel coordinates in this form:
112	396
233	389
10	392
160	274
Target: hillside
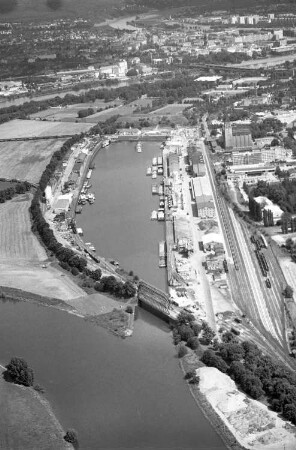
54	9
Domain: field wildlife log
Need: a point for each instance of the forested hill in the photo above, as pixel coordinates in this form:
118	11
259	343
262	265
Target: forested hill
212	5
42	10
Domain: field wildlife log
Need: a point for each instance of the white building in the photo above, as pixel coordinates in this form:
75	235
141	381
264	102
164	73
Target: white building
268	205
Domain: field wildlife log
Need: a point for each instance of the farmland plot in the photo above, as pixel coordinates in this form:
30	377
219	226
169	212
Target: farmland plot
36	128
17	242
26	160
22	256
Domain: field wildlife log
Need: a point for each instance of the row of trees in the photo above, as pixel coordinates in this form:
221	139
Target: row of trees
116	287
257	374
170	90
68	259
11	191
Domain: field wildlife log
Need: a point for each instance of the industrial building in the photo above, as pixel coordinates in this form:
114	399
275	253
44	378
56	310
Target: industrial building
202	194
237	137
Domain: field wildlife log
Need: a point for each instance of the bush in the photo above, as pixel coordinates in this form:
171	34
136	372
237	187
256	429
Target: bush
39	388
74	271
129	309
19	372
182	351
193	343
194	380
185	332
71	436
189	374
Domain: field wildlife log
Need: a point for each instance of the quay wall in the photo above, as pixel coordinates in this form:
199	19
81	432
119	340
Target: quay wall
155	138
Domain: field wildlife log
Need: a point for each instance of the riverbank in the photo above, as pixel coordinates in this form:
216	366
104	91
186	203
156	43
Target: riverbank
29	422
187	364
241	422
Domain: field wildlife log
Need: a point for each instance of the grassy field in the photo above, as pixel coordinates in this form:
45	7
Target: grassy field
170	109
32	277
16	240
26	160
28	423
70	113
21	255
35	128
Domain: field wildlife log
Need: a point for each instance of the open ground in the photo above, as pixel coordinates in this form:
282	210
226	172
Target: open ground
28	422
69	113
26	160
22	256
34	128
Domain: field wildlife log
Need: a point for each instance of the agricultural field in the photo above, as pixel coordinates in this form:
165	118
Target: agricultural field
22	256
69	113
26	160
17	242
36	128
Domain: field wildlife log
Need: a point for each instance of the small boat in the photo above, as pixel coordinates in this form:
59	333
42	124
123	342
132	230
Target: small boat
78	210
160	171
160	190
154	215
154	189
160	215
149	171
159	160
92	248
139	147
154	175
105	143
154	161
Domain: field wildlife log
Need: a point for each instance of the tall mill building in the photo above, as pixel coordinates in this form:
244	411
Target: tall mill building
237	137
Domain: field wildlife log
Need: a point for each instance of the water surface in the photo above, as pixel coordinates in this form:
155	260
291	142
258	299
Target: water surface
116	393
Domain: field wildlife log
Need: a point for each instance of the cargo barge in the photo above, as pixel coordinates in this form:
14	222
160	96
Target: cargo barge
162	254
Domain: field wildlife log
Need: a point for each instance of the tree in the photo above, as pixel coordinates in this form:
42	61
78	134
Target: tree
185	318
210	359
19	372
289	412
71	436
185	332
96	274
288	291
232	352
193	343
182	350
129	290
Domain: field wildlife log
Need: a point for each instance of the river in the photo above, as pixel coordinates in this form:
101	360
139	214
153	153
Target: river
118	223
38	98
116	393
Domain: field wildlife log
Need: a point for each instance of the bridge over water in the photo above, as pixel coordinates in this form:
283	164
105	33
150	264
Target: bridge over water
157	302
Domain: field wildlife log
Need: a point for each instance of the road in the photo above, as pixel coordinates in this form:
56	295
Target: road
204	292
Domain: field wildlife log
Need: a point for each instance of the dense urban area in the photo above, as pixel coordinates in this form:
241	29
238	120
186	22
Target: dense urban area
212	87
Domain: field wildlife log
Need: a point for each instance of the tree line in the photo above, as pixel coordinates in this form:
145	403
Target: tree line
282	193
68	259
18	188
171	90
257	374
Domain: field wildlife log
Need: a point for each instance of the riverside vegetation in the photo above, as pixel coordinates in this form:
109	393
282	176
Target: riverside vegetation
256	373
68	259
